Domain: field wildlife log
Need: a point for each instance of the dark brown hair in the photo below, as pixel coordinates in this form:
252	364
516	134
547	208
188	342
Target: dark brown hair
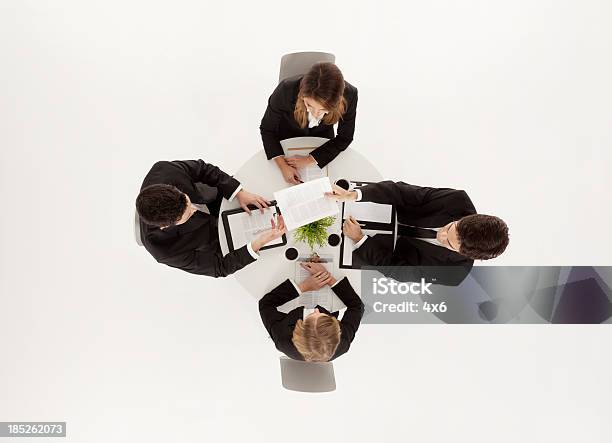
325	84
482	236
161	205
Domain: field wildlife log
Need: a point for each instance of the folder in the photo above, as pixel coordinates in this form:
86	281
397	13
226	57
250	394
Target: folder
241	228
374	218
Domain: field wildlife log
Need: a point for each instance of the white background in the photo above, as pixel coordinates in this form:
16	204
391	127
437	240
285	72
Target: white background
507	100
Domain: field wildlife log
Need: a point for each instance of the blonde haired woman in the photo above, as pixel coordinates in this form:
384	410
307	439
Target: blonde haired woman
309	105
315	336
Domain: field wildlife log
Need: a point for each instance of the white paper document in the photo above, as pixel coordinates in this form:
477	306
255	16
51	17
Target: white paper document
321	297
368	211
245	228
304	203
311	172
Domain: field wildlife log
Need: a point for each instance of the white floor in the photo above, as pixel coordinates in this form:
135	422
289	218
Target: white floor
508	100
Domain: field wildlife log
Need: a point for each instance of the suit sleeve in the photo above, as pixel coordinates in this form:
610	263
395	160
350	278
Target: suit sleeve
399	194
270	315
375	251
201	172
354	308
406	197
269	127
346	129
211	263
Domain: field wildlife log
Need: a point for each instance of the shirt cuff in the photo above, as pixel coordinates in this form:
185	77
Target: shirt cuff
297	288
337	281
254	254
277	156
358	191
360	242
238	189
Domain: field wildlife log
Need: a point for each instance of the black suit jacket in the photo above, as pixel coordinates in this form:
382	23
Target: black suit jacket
423	207
193	246
278	123
280	326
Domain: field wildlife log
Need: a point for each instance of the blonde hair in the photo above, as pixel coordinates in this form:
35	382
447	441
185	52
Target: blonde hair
317	338
324	83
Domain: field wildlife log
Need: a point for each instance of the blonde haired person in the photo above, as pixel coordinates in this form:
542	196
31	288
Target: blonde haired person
315	336
309	105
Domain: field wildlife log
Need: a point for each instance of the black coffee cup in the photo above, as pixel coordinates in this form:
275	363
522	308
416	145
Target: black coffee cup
343	183
333	240
291	254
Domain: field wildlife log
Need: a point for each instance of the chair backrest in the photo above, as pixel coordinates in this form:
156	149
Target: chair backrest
299	63
304	376
137	228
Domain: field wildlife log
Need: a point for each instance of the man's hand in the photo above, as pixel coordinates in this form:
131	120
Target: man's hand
275	232
316	268
341	195
290	173
246	198
352	229
300	161
316	281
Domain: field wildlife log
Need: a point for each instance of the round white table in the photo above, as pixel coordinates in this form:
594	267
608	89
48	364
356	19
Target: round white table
261	176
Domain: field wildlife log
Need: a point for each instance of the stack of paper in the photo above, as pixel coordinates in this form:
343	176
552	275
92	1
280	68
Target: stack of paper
321	297
304	203
311	172
368	211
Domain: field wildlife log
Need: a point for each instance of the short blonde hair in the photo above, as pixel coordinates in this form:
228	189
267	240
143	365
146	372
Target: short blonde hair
317	338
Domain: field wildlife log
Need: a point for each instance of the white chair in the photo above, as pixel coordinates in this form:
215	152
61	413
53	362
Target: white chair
299	63
302	376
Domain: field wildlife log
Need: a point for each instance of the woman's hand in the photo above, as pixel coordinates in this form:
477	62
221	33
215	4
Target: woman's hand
290	174
277	231
341	195
352	229
246	198
316	268
300	161
315	282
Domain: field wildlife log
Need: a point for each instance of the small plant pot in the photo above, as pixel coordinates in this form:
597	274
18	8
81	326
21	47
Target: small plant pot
314	234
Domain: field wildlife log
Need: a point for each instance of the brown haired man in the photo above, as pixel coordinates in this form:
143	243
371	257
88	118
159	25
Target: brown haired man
439	232
178	207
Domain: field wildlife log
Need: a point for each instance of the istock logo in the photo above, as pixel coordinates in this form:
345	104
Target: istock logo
384	286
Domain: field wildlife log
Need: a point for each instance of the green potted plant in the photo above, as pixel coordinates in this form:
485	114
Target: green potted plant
315	233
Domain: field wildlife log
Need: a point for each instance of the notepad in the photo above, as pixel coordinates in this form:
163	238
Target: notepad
368	211
304	203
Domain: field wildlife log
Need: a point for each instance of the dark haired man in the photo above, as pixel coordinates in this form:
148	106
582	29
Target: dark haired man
179	217
439	232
